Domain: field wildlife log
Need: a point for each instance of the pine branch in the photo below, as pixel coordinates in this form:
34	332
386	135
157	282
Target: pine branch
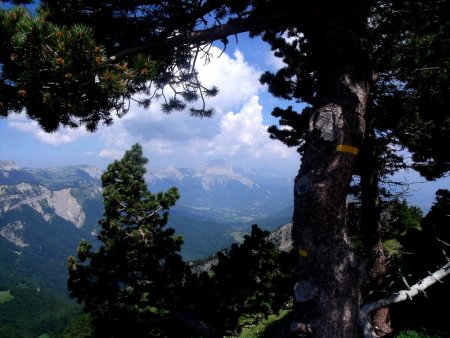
367	309
194	38
141	220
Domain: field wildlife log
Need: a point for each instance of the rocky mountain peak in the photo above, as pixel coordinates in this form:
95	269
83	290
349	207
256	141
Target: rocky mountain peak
207	177
6	167
220	174
166	173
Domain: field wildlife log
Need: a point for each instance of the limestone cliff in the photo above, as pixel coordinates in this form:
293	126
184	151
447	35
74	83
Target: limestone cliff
45	201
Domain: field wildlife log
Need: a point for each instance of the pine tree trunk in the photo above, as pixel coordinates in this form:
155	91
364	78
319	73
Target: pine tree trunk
372	233
328	289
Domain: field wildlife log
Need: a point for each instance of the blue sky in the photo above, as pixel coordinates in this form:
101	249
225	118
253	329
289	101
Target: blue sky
236	133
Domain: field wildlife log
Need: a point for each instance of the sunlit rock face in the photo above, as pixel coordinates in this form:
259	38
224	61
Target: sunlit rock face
282	237
50	192
12	232
45	201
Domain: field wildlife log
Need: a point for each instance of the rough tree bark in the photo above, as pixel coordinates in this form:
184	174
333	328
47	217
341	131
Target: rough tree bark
328	289
372	232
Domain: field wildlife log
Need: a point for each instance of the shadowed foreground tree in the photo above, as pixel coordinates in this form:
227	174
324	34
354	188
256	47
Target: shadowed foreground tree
250	281
76	61
407	108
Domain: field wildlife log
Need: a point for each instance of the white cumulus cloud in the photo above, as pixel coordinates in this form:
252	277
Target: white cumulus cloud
62	136
236	132
243	135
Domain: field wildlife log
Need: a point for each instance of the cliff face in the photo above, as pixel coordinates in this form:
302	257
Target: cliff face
55	192
282	237
43	215
45	201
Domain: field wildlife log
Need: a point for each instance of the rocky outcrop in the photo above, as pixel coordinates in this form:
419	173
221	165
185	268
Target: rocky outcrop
67	207
282	237
45	201
13	233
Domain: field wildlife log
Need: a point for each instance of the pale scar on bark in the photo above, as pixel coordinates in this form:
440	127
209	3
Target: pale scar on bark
328	121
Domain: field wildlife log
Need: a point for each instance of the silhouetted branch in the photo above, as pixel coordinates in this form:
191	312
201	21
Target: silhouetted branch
194	38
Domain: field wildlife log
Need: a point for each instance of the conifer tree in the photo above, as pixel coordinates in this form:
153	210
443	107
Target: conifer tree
406	109
136	274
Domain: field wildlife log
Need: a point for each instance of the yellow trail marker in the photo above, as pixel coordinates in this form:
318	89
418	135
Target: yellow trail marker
347	149
303	252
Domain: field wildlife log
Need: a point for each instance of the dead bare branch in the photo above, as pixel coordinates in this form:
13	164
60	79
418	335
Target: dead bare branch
367	309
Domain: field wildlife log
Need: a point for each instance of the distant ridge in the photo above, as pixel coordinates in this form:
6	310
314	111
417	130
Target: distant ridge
218	204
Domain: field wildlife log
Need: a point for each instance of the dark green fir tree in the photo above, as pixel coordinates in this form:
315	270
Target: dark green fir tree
136	275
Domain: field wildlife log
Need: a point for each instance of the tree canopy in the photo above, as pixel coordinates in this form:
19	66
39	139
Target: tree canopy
407	46
74	64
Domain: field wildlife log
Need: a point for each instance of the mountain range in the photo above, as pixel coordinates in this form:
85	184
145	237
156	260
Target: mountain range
45	212
228	194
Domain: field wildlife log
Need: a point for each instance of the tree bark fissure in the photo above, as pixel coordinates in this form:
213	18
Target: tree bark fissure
327	261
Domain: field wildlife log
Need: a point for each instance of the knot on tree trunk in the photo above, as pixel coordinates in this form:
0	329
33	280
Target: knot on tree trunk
303	291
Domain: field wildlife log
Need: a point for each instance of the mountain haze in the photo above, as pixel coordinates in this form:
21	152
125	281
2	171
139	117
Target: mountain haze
223	192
